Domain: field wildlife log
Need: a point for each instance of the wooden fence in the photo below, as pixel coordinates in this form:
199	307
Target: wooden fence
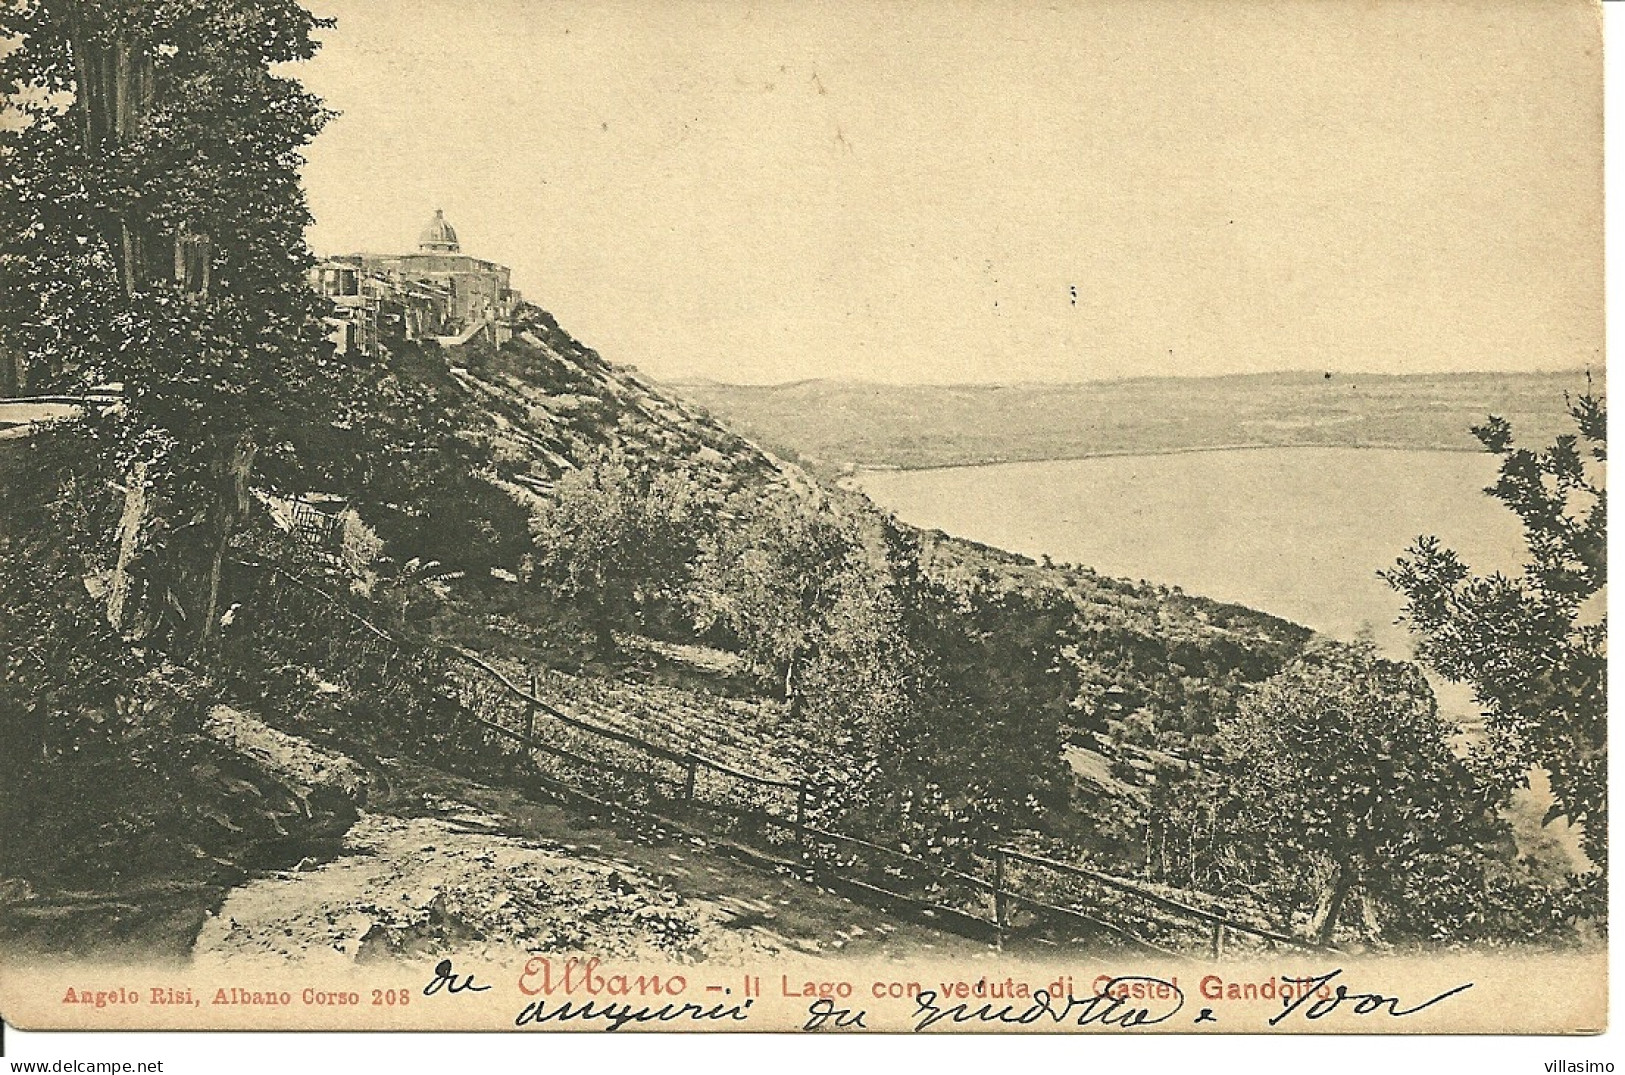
677	785
1003	891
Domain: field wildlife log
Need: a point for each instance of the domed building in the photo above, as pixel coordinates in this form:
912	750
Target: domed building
439	291
439	237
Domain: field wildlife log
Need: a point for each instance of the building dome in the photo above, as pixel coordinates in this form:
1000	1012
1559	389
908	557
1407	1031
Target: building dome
438	237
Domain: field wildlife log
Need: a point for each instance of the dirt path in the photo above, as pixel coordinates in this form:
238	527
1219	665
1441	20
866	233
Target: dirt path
440	865
435	864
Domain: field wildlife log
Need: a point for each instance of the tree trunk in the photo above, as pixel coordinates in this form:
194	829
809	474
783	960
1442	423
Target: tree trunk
1332	901
115	78
193	257
1191	847
1370	917
603	630
131	522
230	469
115	91
13	371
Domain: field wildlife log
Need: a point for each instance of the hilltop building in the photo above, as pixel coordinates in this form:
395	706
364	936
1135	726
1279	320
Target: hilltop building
438	293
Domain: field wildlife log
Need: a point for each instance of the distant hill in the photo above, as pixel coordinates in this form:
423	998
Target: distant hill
832	424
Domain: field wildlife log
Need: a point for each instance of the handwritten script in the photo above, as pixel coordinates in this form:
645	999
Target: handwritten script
1313	1006
447	978
1126	1002
1103	1009
615	1016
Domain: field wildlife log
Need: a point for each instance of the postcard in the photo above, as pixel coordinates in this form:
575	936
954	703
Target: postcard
929	518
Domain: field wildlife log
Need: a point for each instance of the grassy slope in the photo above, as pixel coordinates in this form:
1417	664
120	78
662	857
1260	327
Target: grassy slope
833	423
1141	646
1164	659
1148	656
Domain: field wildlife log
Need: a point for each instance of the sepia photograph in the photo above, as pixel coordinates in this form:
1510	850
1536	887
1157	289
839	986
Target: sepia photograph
918	517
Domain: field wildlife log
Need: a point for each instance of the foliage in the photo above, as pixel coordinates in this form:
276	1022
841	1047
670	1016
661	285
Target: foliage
153	229
616	538
974	754
1532	646
330	661
151	237
787	570
84	717
66	679
1156	668
1342	786
405	447
929	711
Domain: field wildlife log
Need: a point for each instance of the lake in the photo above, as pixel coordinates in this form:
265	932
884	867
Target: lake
1297	532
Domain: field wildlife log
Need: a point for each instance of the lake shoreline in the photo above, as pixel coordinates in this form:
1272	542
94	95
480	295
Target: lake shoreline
851	469
1299	532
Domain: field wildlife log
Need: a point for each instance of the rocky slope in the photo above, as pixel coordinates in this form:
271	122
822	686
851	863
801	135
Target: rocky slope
439	865
328	844
546	401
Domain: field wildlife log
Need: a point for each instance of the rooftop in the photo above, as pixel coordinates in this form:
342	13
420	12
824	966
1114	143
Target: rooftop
438	236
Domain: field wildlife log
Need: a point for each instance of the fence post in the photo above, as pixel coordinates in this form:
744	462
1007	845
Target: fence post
530	712
688	780
1001	908
651	786
801	817
1218	940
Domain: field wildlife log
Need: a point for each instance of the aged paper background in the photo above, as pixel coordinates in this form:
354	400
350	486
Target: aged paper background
1540	994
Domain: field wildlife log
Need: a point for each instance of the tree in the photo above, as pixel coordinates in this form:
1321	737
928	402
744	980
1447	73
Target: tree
154	227
1340	768
980	745
934	707
774	574
927	710
617	537
1533	646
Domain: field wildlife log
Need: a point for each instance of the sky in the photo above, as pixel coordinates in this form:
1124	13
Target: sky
968	191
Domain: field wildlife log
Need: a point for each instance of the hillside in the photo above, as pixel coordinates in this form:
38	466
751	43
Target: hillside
354	611
646	592
546	402
1145	668
838	423
550	401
